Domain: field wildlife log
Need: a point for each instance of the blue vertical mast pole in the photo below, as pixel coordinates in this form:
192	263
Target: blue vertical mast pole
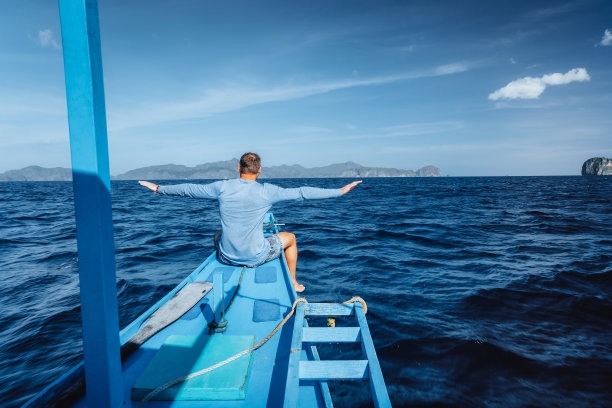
92	200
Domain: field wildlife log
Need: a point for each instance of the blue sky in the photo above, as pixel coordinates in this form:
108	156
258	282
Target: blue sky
475	88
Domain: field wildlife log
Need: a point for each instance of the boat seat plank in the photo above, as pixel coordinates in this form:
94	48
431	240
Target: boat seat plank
329	309
334	370
331	334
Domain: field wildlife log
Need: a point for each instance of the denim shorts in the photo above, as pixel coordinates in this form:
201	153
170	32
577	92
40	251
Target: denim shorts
276	248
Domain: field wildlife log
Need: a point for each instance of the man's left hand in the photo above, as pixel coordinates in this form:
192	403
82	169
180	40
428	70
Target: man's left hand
349	187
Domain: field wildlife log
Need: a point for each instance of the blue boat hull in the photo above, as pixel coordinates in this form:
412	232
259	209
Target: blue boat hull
263	298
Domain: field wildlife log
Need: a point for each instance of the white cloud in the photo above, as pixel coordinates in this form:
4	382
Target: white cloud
606	40
47	39
532	88
574	75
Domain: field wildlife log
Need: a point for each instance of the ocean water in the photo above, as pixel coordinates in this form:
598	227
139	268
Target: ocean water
481	291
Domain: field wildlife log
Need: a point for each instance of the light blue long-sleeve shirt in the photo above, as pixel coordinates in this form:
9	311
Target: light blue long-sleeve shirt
243	205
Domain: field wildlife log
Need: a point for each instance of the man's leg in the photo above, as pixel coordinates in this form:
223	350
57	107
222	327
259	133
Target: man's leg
291	255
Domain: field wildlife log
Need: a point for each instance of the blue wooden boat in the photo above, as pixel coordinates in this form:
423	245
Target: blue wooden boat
285	371
218	317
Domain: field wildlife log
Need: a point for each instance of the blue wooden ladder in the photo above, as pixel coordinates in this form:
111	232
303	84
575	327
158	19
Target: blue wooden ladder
330	370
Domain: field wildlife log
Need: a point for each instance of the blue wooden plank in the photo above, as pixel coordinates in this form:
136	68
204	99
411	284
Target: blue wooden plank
292	388
334	370
331	335
329	309
91	183
377	382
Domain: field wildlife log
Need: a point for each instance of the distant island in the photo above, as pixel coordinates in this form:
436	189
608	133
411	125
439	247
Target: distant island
37	173
597	166
225	170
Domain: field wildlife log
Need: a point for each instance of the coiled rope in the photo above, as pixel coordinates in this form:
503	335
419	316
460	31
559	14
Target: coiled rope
159	389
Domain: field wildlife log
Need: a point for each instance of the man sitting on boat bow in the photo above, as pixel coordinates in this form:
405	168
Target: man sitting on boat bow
243	204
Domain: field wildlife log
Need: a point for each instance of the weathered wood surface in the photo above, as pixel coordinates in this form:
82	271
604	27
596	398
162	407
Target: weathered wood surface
329	309
334	370
331	335
377	381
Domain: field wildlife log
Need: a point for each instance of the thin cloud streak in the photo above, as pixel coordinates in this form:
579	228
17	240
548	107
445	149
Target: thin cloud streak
393	132
219	101
309	129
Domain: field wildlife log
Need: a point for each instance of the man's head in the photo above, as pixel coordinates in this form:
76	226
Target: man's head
250	163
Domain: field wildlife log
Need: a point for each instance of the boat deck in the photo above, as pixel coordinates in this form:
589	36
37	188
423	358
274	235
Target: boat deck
264	298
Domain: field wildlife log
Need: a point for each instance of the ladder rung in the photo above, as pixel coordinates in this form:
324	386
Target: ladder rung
330	309
325	370
331	334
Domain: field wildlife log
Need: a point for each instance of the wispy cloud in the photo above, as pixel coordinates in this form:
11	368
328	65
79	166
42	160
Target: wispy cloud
425	128
20	104
216	101
46	38
606	40
545	13
391	132
407	48
532	88
451	69
309	129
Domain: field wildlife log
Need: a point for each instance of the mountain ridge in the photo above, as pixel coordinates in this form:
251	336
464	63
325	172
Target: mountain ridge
225	169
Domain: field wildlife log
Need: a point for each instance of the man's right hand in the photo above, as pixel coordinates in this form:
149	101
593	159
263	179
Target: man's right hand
149	185
349	187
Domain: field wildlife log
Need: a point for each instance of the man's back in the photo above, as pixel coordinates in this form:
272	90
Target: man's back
243	205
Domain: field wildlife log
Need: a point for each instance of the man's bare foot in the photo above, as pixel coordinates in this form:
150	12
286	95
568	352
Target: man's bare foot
298	288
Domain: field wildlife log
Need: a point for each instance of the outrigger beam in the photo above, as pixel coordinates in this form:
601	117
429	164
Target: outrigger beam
92	200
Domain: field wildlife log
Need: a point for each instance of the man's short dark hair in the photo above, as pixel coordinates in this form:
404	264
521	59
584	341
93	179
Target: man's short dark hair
250	163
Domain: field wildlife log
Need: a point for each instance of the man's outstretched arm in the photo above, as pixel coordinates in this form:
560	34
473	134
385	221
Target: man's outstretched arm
186	190
277	193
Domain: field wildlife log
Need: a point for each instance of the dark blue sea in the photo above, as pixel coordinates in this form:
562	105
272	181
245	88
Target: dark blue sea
491	292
